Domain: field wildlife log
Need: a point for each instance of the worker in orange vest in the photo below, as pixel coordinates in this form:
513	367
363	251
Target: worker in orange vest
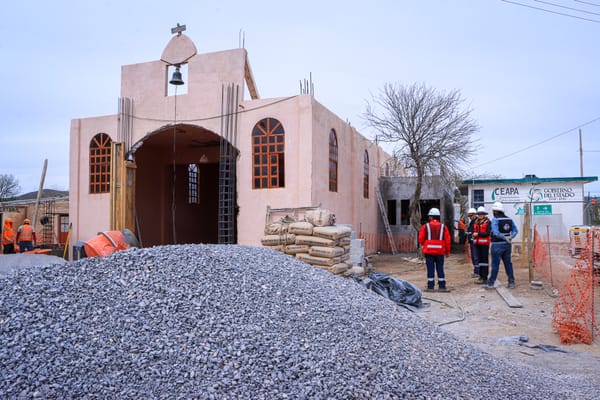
8	237
26	236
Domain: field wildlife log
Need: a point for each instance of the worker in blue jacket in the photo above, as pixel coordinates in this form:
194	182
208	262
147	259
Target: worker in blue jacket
504	231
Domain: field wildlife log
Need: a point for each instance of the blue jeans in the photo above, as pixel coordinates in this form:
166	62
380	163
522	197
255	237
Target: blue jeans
435	264
25	246
501	251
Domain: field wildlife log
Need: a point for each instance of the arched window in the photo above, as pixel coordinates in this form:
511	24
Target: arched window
100	163
268	167
366	176
333	161
193	176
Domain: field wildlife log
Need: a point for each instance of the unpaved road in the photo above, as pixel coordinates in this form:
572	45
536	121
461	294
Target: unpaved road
483	318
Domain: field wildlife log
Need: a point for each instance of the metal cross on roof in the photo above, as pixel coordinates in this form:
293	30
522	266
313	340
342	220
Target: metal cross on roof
178	29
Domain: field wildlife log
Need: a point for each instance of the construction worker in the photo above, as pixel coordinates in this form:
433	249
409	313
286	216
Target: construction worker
472	214
8	237
481	238
504	231
26	236
434	239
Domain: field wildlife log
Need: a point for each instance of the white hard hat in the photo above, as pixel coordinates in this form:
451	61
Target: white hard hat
434	212
472	211
481	210
497	206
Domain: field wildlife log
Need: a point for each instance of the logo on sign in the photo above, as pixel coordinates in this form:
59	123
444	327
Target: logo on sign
535	195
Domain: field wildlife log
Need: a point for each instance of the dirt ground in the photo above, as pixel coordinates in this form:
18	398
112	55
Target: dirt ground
483	318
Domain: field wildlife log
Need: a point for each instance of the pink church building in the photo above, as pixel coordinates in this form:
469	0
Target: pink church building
189	159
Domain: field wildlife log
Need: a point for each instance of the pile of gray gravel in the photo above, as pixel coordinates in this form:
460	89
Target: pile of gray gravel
233	322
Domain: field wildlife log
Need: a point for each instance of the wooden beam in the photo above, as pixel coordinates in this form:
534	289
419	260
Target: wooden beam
507	296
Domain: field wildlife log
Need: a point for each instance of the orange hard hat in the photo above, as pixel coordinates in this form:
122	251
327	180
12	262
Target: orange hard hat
27	221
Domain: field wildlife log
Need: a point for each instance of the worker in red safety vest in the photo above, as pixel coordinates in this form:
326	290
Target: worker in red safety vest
481	238
26	236
8	237
435	242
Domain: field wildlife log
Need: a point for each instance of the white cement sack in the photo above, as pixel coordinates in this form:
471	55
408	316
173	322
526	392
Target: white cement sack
315	260
322	251
274	228
341	258
345	241
273	240
301	228
332	232
320	217
339	268
315	241
296	248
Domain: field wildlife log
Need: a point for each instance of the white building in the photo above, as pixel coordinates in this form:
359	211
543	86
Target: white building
556	203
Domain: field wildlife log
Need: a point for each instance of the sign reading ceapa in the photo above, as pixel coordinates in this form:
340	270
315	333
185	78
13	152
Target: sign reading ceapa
508	194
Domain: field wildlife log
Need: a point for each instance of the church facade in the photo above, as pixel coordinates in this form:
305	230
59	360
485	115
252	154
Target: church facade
189	159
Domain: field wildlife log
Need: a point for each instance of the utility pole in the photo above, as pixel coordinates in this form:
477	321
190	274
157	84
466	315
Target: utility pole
581	175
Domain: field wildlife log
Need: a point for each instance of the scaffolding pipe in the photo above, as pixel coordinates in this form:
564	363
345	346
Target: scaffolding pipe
39	195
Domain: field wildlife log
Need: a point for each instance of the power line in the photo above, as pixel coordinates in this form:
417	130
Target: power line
568	8
587	2
539	143
550	11
213	117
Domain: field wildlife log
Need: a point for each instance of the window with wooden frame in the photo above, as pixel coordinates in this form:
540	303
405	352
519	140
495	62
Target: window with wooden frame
100	163
366	175
268	151
193	175
333	161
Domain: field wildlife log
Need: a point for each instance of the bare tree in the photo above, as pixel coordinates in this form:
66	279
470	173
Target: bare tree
9	186
433	134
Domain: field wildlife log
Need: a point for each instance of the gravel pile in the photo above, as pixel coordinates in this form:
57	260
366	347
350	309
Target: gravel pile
233	322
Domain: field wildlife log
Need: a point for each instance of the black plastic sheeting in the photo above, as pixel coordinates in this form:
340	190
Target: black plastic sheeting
400	292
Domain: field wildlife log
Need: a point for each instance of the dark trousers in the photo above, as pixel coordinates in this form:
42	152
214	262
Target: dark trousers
501	251
474	258
483	260
435	264
9	249
25	246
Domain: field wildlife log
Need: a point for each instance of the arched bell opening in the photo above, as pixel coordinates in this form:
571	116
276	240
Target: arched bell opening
181	195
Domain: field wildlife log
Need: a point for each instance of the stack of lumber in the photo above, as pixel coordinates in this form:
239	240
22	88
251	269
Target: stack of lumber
316	240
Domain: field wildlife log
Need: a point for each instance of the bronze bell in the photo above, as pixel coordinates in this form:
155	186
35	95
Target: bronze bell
176	79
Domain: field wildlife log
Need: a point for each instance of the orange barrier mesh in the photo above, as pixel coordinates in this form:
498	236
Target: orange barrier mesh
379	242
575	310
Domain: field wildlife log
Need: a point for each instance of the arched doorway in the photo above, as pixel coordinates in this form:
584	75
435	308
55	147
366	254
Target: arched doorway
184	182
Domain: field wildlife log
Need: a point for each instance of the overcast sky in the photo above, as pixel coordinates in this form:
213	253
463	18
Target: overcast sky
530	72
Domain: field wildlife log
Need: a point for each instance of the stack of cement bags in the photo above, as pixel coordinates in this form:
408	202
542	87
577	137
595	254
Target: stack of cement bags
316	240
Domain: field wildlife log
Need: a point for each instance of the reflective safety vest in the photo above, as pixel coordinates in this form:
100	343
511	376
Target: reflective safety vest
25	233
434	247
482	227
8	235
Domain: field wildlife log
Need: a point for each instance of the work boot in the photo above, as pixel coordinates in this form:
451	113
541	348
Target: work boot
443	290
511	285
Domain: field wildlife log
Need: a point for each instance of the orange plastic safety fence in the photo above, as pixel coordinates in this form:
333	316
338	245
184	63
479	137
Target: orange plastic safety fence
575	310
